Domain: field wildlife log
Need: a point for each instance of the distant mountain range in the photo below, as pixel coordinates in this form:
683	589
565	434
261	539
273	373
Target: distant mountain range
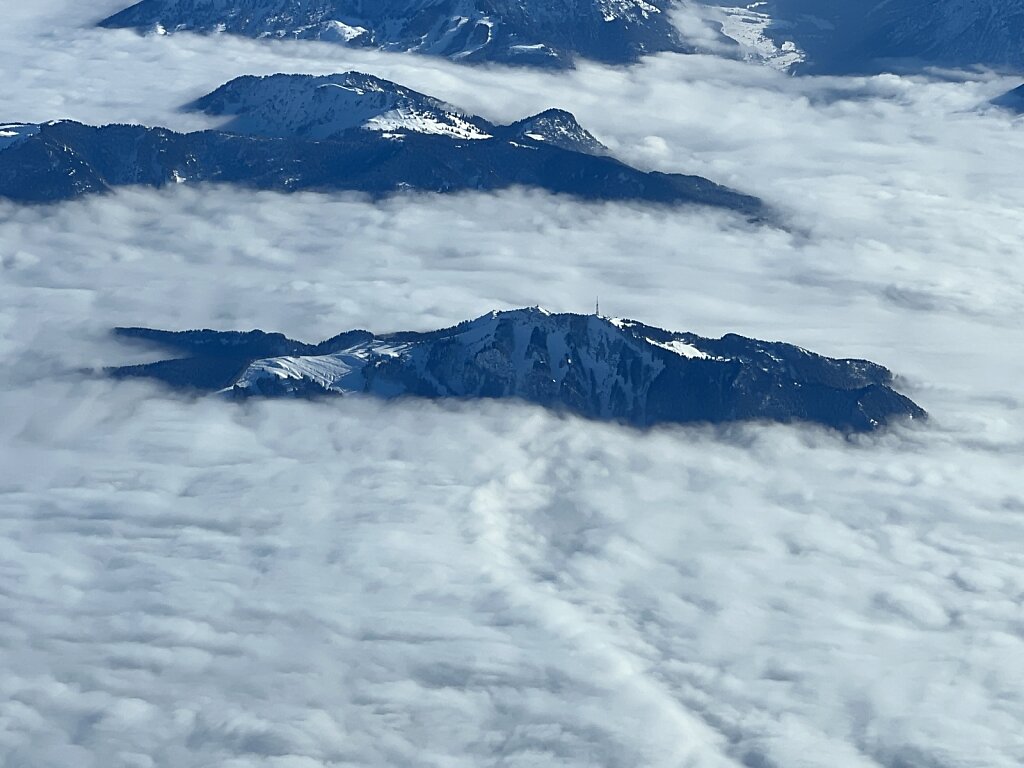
597	367
843	37
817	36
340	132
550	33
331	107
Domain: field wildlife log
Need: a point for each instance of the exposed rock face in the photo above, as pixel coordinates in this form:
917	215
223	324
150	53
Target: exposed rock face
1012	100
346	132
551	33
839	36
601	368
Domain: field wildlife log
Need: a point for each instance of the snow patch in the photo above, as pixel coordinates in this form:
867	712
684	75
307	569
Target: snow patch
321	108
422	121
344	32
747	26
613	10
680	348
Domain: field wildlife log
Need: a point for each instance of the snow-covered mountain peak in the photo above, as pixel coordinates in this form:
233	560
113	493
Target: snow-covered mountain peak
560	129
518	352
522	314
533	336
586	364
327	106
549	33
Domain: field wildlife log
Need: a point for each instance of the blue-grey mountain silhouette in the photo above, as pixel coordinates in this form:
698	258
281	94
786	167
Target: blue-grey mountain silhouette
842	37
597	367
1012	100
552	33
351	132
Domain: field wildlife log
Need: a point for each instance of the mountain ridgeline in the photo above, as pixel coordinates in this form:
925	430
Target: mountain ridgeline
832	36
596	367
346	132
331	107
841	37
552	33
1012	100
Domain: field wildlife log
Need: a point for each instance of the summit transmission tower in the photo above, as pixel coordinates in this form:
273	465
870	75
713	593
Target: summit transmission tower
597	306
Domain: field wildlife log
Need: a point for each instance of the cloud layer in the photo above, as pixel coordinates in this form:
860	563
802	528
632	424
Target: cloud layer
290	584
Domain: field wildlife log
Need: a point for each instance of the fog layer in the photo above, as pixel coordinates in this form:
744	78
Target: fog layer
192	583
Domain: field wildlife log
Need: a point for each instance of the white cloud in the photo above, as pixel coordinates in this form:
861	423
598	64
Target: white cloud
289	584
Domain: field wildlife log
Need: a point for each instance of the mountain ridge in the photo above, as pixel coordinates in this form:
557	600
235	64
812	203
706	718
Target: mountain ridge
324	107
602	368
549	34
900	35
299	132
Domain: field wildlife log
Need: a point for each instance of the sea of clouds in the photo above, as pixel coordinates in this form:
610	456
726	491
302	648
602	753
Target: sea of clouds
193	583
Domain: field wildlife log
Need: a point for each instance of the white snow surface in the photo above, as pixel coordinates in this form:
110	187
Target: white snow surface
341	371
339	30
613	10
704	23
678	346
681	348
329	371
746	25
454	28
559	128
321	108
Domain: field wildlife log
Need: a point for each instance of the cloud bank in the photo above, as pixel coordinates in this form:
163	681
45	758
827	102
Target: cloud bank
293	584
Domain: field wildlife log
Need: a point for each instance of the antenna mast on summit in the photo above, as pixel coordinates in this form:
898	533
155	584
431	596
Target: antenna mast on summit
597	306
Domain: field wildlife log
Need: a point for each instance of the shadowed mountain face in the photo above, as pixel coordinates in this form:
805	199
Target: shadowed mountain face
548	33
841	37
1012	100
328	107
600	368
350	132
